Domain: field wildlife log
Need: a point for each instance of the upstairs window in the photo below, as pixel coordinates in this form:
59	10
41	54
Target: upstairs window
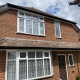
30	24
70	58
57	29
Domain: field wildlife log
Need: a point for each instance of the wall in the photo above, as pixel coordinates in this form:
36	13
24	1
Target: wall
72	71
8	28
2	64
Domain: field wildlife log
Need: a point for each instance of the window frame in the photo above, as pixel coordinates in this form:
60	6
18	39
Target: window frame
69	60
59	29
18	59
32	15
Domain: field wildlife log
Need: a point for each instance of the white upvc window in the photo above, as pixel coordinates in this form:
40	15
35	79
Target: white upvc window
30	24
28	65
57	29
71	59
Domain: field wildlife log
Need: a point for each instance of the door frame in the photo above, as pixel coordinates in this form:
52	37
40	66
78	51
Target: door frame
65	64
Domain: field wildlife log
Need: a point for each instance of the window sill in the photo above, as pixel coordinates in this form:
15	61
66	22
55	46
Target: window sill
40	78
71	66
31	34
58	37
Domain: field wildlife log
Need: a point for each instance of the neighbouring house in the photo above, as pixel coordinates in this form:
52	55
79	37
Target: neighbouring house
37	45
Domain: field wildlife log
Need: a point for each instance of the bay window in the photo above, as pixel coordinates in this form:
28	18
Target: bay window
30	24
28	65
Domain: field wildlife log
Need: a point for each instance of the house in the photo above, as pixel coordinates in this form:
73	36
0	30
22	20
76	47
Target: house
37	45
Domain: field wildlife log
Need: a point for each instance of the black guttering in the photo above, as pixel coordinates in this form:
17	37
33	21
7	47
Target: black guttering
58	49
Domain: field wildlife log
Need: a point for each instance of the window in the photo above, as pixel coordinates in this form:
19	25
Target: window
28	65
57	29
30	24
71	61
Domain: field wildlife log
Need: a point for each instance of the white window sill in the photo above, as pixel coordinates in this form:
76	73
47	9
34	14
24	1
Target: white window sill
39	77
58	37
71	66
30	34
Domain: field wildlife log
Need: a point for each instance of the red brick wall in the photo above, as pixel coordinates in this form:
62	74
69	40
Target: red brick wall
2	64
72	71
8	28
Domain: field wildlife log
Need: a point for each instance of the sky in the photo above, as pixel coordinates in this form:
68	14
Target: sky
58	8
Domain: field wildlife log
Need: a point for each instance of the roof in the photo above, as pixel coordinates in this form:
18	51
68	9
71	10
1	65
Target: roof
29	43
36	11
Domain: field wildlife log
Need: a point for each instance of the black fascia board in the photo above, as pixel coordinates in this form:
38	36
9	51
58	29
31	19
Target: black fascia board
48	48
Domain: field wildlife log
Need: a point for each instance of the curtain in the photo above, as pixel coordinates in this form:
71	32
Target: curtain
21	24
31	69
47	66
40	68
22	69
29	26
35	27
57	24
11	70
42	28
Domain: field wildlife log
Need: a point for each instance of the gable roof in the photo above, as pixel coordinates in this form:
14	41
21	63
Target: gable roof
36	11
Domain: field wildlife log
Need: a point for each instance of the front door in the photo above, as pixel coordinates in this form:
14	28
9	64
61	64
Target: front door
62	67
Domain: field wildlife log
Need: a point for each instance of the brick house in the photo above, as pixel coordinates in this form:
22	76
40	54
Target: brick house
37	45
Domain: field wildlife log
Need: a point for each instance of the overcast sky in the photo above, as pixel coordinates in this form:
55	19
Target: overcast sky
59	8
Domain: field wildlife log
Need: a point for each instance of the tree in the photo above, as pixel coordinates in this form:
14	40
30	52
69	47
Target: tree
76	2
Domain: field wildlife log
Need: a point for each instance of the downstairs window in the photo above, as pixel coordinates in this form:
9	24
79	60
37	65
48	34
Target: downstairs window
71	60
27	65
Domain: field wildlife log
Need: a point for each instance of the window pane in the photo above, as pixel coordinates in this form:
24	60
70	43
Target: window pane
11	55
22	69
47	66
41	28
57	31
11	70
41	19
21	14
39	54
22	54
31	54
57	28
21	24
28	17
35	28
31	69
28	26
40	68
46	54
70	59
35	18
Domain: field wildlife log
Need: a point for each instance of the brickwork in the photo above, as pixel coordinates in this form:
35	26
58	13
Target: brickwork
8	28
72	71
2	64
